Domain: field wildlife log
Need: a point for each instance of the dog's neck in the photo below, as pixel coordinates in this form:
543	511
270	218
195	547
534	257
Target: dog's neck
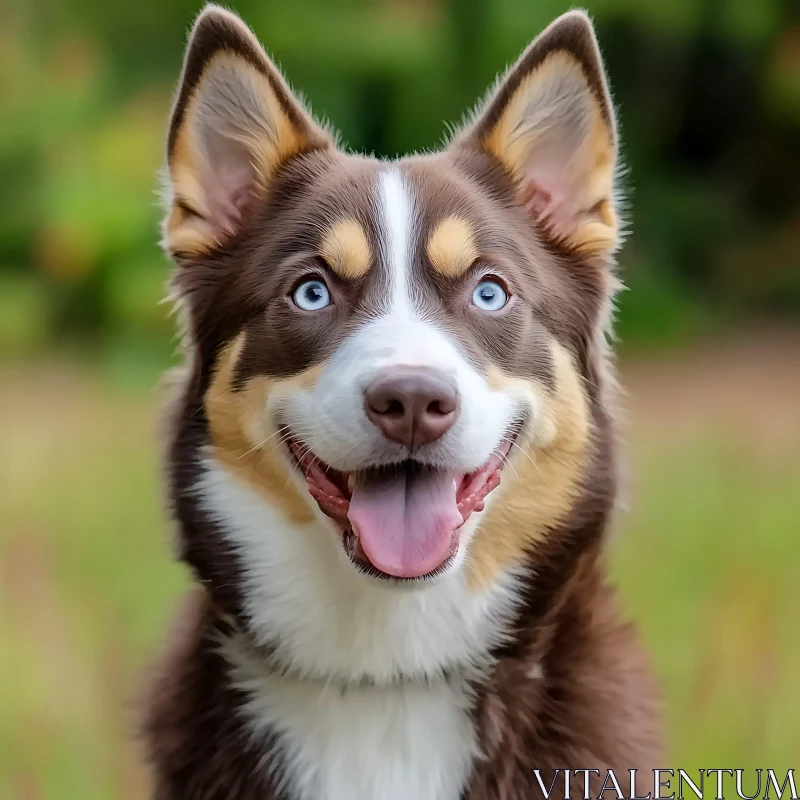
242	650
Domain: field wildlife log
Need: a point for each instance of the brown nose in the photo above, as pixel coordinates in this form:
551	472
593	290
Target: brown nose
412	405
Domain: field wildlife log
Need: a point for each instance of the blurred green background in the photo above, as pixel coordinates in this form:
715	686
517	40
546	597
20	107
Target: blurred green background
708	551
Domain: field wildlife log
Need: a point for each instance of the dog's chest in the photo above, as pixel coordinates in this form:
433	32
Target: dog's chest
407	741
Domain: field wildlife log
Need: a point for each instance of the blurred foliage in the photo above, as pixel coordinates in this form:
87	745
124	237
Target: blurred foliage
708	93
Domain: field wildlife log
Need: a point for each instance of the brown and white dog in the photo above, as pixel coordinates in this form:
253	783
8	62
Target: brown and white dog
392	459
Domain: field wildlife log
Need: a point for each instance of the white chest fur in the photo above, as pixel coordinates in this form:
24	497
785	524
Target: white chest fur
365	742
399	730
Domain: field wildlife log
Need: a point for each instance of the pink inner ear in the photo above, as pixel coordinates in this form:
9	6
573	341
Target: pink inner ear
550	207
229	193
228	181
538	202
228	211
556	157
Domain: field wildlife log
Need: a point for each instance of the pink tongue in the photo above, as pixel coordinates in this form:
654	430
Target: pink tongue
405	520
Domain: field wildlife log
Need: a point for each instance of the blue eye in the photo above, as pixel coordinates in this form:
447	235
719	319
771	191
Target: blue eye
489	296
312	295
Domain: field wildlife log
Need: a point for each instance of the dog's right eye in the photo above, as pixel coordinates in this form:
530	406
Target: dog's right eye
312	295
489	295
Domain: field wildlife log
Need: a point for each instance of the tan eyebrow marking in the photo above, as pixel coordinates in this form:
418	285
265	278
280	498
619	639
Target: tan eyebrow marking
451	247
346	249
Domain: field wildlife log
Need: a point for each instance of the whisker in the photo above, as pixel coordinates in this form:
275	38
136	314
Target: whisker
281	441
529	457
504	458
513	443
202	404
262	443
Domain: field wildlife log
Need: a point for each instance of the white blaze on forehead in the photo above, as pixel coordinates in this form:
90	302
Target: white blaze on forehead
397	208
332	414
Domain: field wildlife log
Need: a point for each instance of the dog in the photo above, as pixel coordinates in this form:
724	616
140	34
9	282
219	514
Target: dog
392	456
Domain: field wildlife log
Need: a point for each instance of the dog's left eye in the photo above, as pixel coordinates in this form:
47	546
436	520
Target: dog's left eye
489	296
312	295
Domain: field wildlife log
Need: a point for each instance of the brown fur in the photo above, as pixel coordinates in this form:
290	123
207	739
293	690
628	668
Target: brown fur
571	692
570	688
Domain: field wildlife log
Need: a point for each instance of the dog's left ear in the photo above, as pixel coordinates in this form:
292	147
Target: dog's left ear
550	123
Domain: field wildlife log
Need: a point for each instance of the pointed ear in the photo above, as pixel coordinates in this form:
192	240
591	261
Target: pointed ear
551	125
234	123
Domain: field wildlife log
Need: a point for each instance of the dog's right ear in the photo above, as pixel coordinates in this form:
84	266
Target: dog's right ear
550	124
234	123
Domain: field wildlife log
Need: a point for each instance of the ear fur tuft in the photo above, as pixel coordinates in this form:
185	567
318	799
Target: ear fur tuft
550	123
233	124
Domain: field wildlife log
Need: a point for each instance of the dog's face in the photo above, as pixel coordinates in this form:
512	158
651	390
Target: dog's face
398	351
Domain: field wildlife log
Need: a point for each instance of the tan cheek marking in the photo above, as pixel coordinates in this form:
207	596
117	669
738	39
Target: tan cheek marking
346	249
539	491
240	429
451	247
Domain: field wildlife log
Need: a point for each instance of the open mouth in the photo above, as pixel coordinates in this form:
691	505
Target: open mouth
401	521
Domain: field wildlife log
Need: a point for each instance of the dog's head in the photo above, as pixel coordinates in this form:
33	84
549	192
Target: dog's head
405	353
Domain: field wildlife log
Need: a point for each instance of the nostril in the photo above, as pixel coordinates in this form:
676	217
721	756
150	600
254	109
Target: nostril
386	406
394	409
436	408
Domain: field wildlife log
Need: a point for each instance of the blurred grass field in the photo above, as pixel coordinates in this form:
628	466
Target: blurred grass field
706	557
